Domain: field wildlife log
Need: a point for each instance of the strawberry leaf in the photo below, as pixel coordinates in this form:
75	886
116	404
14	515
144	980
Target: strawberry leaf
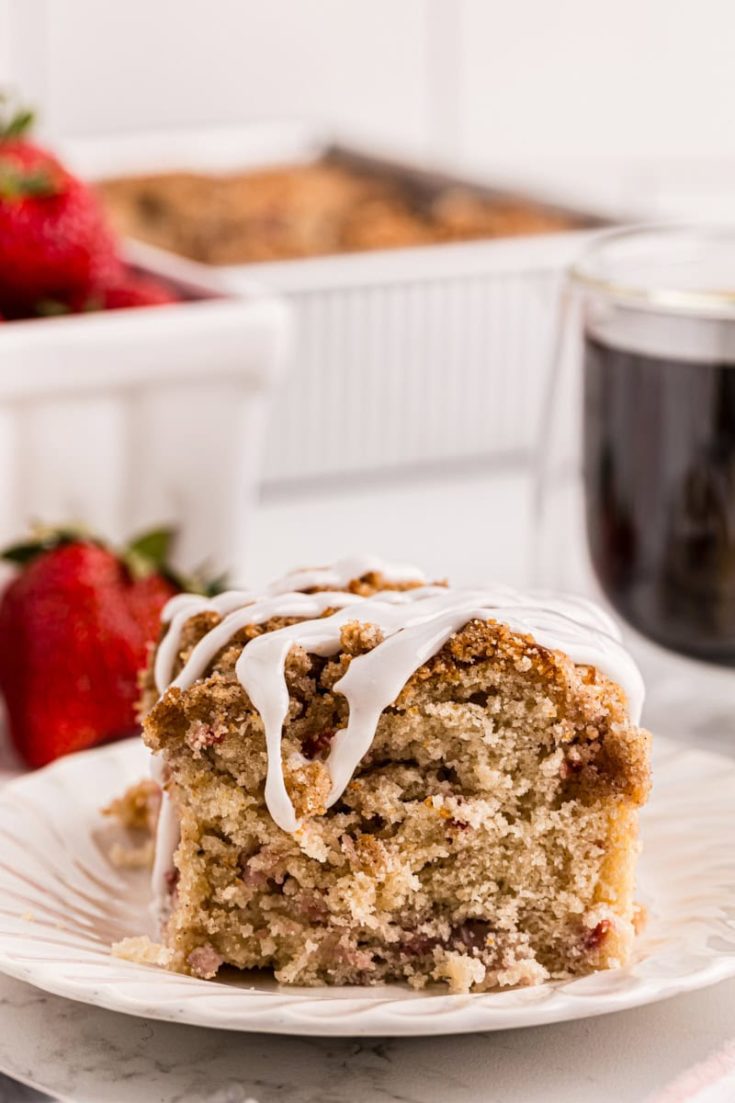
51	308
213	586
14	123
19	124
200	581
154	545
22	553
17	184
25	551
148	553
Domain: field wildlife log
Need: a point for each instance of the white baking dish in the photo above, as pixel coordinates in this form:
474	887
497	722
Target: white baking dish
409	357
130	418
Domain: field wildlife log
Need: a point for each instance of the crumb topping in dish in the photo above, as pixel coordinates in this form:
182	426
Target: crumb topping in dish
319	208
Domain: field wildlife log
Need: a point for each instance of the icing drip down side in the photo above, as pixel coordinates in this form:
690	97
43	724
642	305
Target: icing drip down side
238	608
180	608
415	624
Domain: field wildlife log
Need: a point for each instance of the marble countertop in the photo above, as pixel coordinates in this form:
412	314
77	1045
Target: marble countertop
11	1091
83	1054
86	1055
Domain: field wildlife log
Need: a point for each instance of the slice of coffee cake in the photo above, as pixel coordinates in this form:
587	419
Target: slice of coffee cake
368	778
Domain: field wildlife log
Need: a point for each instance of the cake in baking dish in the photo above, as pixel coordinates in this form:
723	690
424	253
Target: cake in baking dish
308	210
369	778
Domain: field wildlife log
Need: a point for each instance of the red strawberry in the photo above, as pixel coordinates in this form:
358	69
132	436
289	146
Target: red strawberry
75	626
136	291
127	291
54	242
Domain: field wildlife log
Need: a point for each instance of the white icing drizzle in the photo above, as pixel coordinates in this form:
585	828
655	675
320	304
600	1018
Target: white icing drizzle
168	833
238	608
261	672
182	607
256	612
415	624
344	571
177	611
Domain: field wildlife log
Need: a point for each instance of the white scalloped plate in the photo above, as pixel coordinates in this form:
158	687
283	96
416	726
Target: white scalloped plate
62	904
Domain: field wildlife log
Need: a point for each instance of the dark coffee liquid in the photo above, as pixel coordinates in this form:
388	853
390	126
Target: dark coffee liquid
659	451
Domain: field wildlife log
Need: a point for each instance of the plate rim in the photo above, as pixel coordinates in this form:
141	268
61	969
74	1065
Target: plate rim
470	1013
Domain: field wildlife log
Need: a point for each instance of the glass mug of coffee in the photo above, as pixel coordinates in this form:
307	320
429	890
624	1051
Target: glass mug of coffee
636	487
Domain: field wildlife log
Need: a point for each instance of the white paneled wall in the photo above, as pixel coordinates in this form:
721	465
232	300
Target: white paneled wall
506	80
5	62
621	78
156	63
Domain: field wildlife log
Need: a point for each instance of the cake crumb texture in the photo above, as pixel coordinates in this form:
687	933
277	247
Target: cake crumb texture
487	839
142	950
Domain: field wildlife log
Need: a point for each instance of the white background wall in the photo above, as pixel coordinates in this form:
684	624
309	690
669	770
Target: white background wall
613	99
142	63
599	77
648	85
517	79
644	84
